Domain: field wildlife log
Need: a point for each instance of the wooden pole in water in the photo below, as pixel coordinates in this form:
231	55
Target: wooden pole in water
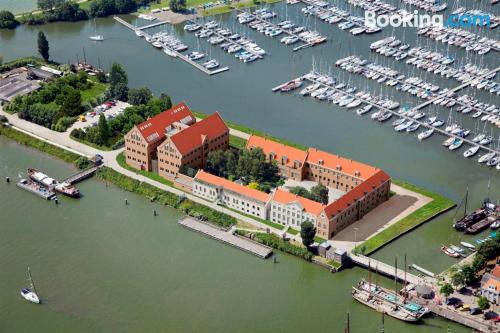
383	323
396	275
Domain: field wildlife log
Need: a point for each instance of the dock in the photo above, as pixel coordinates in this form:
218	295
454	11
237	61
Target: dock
418	107
152	25
82	175
385	269
178	54
288	32
226	237
34	188
423	270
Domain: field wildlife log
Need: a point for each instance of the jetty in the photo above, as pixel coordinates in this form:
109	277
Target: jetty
152	25
385	269
226	237
177	54
418	107
82	175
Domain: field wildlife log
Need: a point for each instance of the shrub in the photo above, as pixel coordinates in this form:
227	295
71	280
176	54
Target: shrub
282	245
64	123
83	163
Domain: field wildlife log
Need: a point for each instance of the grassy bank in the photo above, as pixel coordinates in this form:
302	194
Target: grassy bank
42	146
438	205
278	243
165	198
252	131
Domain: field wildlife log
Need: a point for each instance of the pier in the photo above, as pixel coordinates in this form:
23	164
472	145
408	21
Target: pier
81	175
327	9
384	268
229	40
288	32
418	107
226	237
152	25
177	54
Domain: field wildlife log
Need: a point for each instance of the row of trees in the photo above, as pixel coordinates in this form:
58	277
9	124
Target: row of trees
177	5
100	8
248	165
318	193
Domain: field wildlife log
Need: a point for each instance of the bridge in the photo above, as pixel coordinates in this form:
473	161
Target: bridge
81	175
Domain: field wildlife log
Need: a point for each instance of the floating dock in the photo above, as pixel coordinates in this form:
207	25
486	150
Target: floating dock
423	270
226	237
34	188
178	54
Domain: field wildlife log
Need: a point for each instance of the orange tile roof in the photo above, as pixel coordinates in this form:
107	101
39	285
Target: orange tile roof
227	184
496	271
280	150
153	129
348	166
356	193
492	282
193	136
310	206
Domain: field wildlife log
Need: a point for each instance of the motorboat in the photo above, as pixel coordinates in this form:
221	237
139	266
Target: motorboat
169	52
425	134
486	157
468	245
195	55
457	143
211	64
307	90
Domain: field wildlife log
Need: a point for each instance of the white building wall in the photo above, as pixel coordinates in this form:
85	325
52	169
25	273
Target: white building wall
231	199
290	214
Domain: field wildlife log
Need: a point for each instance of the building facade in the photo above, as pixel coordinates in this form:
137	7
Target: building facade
292	210
230	194
142	140
190	146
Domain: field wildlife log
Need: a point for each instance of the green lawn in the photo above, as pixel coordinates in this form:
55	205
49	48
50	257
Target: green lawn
292	231
438	205
152	175
96	90
85	5
237	142
216	10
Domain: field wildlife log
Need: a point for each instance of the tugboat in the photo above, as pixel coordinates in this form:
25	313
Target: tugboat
52	184
30	294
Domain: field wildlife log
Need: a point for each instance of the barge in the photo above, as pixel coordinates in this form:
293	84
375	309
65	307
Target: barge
52	184
36	188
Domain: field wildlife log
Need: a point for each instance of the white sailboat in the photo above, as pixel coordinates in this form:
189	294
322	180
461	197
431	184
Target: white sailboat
30	294
96	37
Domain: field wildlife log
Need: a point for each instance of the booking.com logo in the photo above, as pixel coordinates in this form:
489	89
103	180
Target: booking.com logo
420	21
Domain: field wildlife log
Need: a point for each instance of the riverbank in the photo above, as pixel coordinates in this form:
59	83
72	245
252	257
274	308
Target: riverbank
437	206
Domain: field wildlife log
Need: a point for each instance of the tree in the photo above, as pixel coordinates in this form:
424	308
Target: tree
43	46
446	290
307	233
166	102
319	193
139	96
72	103
49	4
103	128
458	279
118	81
483	303
300	191
253	185
7	20
468	274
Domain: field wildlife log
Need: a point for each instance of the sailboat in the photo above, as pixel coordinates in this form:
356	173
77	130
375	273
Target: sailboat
96	37
30	294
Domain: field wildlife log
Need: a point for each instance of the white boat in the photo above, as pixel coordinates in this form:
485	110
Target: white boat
307	90
468	245
30	294
169	52
425	134
486	157
471	151
457	143
96	37
211	64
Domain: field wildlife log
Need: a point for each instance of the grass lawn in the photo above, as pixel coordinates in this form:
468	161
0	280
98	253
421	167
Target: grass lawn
91	144
85	5
154	176
237	142
216	10
96	90
438	205
254	132
292	231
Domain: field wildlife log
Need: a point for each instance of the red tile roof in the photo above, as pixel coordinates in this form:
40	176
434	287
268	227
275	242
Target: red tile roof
347	166
493	283
309	206
194	136
229	185
496	271
356	193
153	129
280	150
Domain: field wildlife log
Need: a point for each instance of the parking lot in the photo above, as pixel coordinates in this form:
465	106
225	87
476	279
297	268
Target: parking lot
92	117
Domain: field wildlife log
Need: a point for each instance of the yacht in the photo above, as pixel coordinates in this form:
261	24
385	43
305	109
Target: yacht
425	134
307	90
29	293
211	64
457	143
486	157
471	151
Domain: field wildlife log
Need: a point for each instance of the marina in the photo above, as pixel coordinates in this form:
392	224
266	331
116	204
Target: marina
172	52
226	237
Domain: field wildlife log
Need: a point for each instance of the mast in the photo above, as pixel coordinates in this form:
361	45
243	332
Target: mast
382	330
32	284
466	197
404	283
396	275
347	325
369	278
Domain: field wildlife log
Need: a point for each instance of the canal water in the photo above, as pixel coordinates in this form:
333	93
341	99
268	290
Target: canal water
80	263
102	267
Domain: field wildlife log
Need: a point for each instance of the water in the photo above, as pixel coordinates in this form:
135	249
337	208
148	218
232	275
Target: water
18	6
102	267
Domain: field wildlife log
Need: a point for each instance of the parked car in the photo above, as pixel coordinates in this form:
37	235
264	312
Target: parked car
475	311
